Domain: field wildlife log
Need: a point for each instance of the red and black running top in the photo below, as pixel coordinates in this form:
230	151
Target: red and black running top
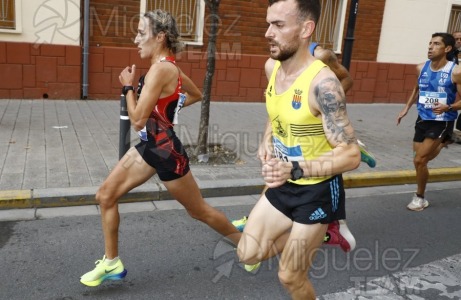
160	123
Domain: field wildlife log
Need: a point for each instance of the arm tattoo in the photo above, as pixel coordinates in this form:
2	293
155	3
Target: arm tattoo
332	103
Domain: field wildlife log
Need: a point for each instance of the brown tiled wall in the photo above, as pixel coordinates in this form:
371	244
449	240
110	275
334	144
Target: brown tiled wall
239	78
381	82
55	71
242	26
28	71
113	23
242	78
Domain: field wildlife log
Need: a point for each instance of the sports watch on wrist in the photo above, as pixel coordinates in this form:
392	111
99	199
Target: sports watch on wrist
296	171
127	88
450	108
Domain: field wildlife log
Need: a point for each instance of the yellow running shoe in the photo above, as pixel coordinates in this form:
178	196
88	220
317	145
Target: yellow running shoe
252	268
103	272
240	224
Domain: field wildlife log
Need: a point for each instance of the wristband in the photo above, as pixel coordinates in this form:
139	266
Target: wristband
127	88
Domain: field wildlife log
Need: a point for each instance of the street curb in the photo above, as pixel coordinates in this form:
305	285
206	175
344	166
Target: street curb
356	180
15	199
62	197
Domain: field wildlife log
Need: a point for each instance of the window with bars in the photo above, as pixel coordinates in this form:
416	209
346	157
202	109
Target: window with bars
331	24
7	14
454	24
189	15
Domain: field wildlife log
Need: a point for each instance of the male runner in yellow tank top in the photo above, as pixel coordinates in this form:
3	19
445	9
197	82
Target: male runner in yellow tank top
338	233
310	132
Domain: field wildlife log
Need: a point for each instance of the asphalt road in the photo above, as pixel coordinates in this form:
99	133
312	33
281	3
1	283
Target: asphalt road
170	256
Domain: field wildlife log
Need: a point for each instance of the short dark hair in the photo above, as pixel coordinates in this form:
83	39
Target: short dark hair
307	8
448	40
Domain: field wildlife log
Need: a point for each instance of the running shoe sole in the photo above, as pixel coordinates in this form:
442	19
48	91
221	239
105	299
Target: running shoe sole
426	204
97	282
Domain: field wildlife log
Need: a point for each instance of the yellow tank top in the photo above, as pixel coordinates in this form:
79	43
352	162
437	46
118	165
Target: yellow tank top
296	133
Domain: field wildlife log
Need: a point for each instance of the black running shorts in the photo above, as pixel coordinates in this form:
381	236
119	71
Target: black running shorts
323	202
169	158
433	130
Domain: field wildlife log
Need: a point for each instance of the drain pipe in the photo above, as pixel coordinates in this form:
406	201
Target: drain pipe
349	40
86	46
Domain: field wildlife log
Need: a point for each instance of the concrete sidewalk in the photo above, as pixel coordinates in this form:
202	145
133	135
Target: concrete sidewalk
57	153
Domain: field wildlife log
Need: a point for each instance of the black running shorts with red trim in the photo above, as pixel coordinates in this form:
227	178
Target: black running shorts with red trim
433	130
323	202
168	158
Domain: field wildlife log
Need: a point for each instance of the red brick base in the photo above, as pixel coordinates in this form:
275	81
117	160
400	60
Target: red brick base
29	71
55	72
381	82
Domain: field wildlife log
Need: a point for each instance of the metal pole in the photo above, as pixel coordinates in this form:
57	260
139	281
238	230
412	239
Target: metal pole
86	43
124	137
349	40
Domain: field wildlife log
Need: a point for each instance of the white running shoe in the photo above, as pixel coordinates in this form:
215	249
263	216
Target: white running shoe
417	203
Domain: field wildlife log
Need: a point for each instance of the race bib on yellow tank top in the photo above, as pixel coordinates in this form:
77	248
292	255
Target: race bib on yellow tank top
287	153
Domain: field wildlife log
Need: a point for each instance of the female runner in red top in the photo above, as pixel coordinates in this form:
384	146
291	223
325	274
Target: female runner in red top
159	151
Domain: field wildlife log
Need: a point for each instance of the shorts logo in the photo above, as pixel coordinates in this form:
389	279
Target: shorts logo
318	214
296	102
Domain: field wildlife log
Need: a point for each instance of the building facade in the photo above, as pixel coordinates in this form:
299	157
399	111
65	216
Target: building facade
43	53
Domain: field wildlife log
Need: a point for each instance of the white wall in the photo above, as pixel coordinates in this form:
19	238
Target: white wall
47	21
408	26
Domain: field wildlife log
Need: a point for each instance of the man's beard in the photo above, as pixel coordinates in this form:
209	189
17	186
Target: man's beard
285	53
